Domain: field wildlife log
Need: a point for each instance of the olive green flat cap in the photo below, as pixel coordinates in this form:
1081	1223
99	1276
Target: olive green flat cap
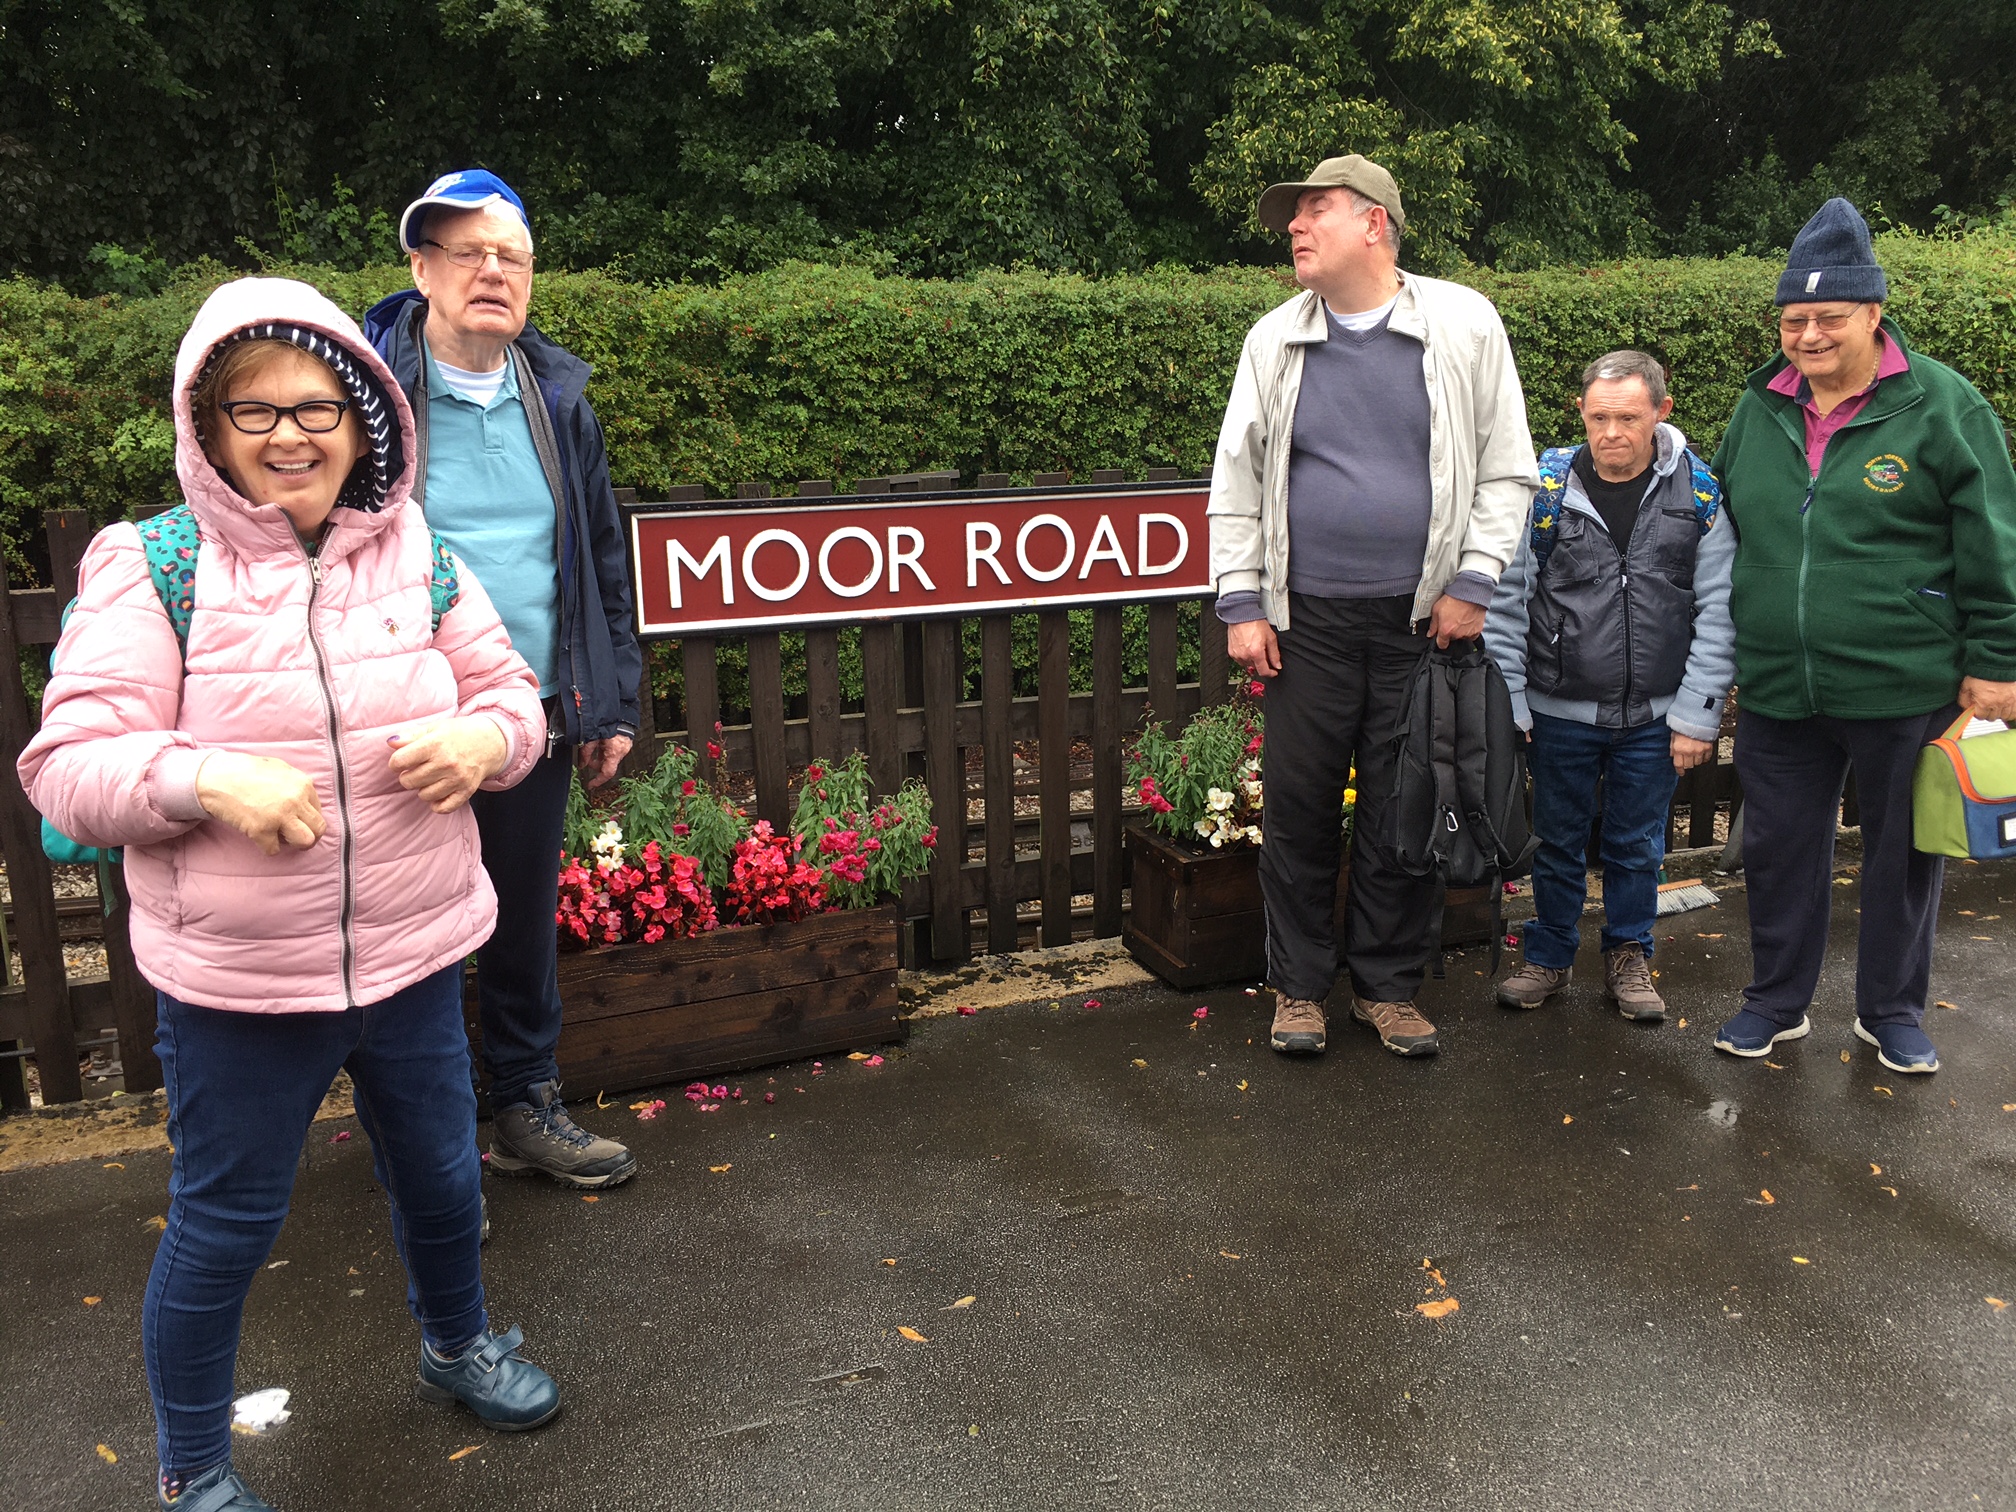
1359	174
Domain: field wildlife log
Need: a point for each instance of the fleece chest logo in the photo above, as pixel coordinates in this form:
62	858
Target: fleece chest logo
1885	474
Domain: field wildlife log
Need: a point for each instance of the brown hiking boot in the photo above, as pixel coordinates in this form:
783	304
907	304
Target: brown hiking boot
1530	986
1299	1026
1627	982
1400	1026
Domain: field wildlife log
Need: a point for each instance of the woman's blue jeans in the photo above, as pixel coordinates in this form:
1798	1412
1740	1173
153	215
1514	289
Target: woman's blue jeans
1635	767
243	1089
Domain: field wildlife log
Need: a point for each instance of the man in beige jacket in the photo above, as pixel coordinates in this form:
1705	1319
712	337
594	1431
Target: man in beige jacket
1373	475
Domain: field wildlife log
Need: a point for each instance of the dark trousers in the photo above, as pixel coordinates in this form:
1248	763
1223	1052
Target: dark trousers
1345	669
518	967
1635	768
1792	771
242	1092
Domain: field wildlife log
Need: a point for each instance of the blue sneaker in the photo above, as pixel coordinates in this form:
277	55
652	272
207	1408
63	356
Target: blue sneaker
1901	1047
491	1380
1750	1034
217	1490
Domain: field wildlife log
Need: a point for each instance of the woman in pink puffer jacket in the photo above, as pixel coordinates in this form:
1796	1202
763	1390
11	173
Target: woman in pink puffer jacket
292	794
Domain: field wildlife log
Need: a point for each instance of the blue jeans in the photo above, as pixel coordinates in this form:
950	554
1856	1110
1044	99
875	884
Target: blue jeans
1635	767
242	1091
518	967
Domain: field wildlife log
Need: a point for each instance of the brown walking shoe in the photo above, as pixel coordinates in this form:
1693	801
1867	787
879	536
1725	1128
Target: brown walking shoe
537	1135
1400	1026
1627	982
1299	1026
1530	986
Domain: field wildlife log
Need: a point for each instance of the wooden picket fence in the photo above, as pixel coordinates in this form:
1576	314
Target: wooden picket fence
1018	879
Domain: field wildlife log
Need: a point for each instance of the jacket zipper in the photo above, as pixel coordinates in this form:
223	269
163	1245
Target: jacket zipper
345	914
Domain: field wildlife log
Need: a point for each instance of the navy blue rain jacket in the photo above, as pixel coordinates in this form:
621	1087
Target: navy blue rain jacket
600	660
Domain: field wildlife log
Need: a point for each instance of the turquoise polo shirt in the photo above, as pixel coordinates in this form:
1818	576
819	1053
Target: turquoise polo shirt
487	498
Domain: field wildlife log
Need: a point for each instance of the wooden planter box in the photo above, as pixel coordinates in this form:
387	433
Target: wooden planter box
648	1015
1197	918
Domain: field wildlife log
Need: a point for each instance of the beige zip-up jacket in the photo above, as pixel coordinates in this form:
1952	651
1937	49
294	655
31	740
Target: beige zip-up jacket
1480	452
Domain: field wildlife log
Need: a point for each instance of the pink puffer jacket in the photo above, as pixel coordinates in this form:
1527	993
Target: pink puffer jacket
318	675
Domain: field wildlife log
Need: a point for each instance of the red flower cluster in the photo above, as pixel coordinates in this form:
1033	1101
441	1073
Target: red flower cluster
845	854
663	896
1151	797
770	884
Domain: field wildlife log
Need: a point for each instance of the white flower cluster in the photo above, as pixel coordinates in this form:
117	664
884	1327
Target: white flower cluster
608	847
1220	825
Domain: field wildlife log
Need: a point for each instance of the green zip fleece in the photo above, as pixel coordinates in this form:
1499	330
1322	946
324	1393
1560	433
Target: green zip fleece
1869	591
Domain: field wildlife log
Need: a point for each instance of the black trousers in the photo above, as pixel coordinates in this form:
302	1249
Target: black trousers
518	967
1792	772
1345	669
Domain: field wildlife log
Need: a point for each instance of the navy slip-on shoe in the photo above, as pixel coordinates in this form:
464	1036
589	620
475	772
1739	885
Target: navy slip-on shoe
492	1381
1750	1034
1901	1047
218	1490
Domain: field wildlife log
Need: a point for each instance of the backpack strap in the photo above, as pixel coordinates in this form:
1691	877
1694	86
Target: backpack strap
170	542
1554	465
444	584
1707	492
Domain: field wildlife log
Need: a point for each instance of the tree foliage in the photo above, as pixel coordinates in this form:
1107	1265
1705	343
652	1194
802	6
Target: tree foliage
700	138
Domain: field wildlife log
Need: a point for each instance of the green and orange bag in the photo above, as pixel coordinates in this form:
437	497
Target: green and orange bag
1963	794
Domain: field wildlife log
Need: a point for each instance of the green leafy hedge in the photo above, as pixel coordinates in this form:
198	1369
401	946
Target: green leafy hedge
834	372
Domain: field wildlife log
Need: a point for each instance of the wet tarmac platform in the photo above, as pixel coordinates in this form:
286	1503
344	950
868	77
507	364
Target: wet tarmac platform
1144	1262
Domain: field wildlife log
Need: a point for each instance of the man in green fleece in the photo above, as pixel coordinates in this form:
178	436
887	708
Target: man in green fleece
1874	593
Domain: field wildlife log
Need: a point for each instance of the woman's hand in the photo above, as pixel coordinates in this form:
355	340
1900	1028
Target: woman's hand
268	801
444	763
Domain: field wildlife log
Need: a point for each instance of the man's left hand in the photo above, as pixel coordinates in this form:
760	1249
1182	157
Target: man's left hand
1689	752
598	759
1988	700
1454	620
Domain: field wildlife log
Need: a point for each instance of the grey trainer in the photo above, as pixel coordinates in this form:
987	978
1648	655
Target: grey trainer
1627	982
1299	1026
1530	986
537	1135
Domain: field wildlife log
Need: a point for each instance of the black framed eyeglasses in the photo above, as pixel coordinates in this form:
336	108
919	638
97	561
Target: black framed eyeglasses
256	418
469	255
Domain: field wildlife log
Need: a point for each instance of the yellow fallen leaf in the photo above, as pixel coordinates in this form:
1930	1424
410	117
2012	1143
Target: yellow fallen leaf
463	1453
107	1455
912	1335
717	1170
93	1301
602	1101
1884	1090
963	1302
1683	1023
1438	1277
1229	1255
1242	1086
1140	1063
857	1055
1875	1169
1997	1303
1801	1260
1764	1196
1774	1065
1567	1118
157	1223
1846	1057
1954	1006
2009	1107
1440	1308
888	1262
115	1165
1693	1188
1891	1190
591	1197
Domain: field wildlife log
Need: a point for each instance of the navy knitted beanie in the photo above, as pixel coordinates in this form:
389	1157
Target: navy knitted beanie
1832	258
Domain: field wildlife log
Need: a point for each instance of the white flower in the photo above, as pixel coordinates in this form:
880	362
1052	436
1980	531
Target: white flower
1204	826
608	846
1253	833
1217	839
1219	799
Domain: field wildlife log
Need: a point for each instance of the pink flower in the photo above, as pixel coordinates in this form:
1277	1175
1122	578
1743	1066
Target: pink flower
714	750
342	1136
814	773
769	1097
873	1060
718	1092
736	1095
1091	1002
967	1010
688	788
1257	688
1201	1013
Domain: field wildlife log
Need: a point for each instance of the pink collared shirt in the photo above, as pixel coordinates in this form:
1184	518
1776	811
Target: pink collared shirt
1820	428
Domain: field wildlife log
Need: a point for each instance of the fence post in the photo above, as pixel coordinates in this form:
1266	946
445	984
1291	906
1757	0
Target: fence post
28	877
703	700
1107	676
997	736
766	728
1053	728
945	774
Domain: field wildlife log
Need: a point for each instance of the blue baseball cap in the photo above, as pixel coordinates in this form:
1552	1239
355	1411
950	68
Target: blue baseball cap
466	189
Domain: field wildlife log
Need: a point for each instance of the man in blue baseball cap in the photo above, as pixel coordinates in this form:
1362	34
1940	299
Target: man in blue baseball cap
515	478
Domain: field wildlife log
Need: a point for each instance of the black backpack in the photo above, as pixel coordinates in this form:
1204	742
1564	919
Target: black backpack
1459	798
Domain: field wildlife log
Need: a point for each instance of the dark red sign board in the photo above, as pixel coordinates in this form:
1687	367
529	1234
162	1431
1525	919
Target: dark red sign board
841	561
